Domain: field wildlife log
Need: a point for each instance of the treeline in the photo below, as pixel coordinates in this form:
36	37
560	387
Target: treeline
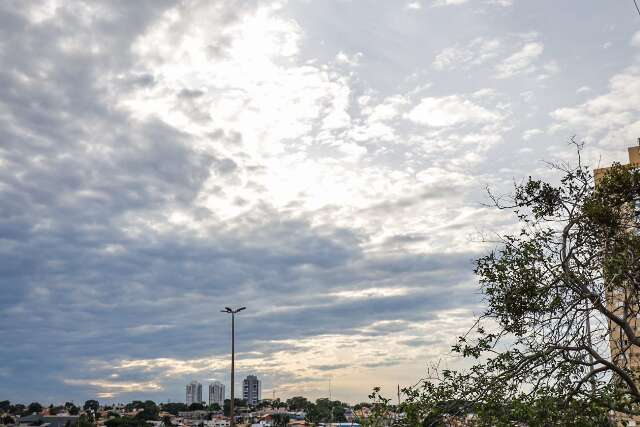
322	410
19	409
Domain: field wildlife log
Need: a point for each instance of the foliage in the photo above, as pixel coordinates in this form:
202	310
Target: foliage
173	408
92	405
277	403
18	409
7	420
383	413
196	407
5	406
34	407
166	421
280	420
325	410
134	405
86	420
149	411
214	407
71	408
298	403
126	422
555	292
54	410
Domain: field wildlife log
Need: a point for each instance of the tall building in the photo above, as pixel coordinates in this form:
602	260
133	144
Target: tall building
194	393
623	355
616	300
216	393
251	390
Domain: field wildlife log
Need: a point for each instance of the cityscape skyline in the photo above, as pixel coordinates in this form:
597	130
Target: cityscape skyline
323	163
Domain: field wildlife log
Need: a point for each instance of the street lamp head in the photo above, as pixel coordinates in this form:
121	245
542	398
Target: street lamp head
229	310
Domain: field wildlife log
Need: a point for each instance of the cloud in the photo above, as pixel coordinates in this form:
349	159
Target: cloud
450	111
520	61
530	133
449	2
502	3
476	52
607	118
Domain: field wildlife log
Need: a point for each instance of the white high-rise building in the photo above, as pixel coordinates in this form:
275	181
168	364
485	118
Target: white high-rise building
194	392
216	393
252	390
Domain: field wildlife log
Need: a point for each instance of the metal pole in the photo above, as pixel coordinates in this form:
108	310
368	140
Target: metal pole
233	356
233	361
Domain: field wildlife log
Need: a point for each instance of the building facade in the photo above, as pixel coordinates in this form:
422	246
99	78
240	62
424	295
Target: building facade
623	355
216	393
252	390
194	393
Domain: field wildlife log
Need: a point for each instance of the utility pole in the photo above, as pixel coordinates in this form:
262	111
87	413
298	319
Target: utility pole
233	357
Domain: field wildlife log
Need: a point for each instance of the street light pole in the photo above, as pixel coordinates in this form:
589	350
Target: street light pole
233	357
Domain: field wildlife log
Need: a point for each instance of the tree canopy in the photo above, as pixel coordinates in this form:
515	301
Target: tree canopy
34	407
173	408
91	404
556	290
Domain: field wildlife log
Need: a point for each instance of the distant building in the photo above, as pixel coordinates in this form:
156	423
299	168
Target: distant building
251	390
216	393
194	393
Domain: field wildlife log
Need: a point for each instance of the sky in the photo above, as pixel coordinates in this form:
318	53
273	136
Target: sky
321	162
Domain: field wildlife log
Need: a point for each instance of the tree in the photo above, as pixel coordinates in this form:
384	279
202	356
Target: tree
382	412
149	411
5	406
280	420
7	420
297	403
54	410
18	409
325	410
34	407
555	292
92	405
136	404
126	422
196	407
86	420
214	407
174	408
